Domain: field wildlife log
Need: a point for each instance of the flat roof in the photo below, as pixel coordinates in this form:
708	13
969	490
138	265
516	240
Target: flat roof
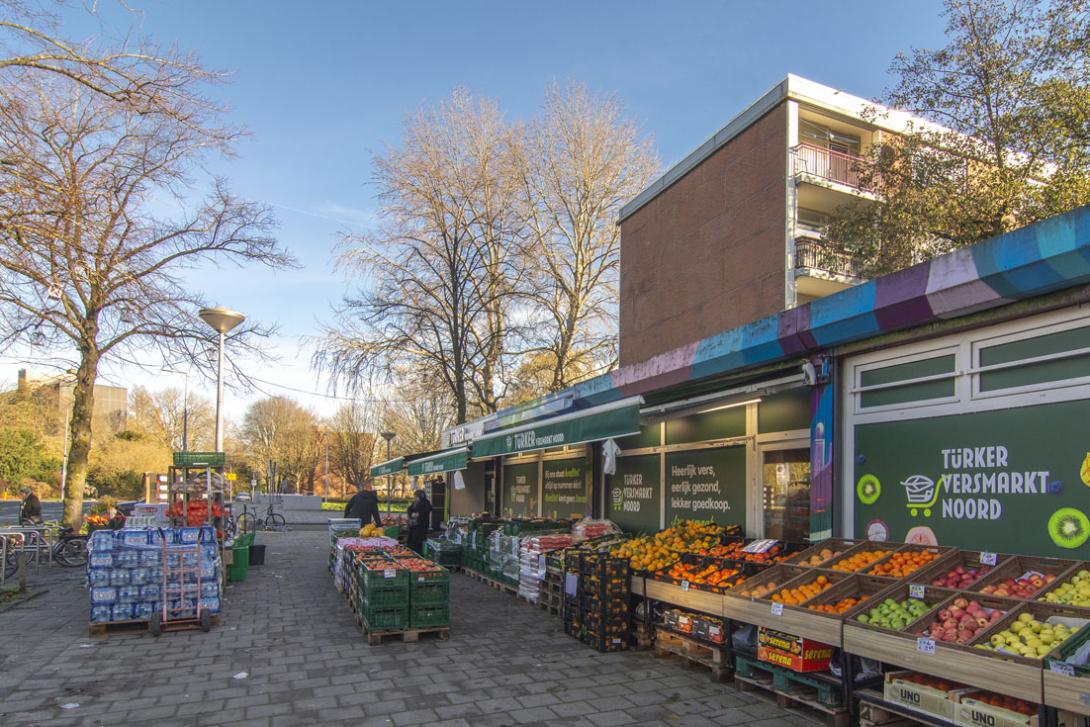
792	87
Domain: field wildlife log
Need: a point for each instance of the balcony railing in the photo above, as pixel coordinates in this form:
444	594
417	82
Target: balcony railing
816	254
827	164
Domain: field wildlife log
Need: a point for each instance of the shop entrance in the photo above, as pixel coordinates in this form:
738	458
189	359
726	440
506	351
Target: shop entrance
785	491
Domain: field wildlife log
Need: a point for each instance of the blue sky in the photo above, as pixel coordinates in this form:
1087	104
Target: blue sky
323	85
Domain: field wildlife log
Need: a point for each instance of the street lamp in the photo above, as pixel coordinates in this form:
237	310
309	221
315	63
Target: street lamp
388	436
220	320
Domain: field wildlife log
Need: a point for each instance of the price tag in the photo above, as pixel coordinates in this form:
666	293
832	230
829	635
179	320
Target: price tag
987	558
777	609
1060	667
389	573
685	585
713	631
915	590
925	646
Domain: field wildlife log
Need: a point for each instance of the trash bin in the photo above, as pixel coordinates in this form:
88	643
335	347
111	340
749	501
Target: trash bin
257	554
240	555
392	532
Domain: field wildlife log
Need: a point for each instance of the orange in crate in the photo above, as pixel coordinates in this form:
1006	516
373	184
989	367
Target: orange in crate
901	564
860	560
799	594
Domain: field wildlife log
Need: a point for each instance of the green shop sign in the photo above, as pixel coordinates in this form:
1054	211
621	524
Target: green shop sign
707	484
589	426
448	461
388	468
200	459
564	486
1014	480
634	492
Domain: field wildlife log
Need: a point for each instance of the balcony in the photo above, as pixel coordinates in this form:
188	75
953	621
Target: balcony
826	163
812	254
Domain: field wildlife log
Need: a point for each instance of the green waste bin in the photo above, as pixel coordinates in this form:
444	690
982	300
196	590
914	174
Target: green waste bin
392	532
240	558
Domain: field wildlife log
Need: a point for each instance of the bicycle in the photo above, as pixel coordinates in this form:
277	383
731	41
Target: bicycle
24	544
248	522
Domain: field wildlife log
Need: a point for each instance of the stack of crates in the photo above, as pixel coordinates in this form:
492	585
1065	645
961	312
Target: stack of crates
443	552
429	598
598	612
383	595
340	527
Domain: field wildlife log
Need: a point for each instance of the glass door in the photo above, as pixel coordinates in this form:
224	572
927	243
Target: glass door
785	493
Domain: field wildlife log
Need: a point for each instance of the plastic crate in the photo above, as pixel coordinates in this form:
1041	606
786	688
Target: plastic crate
383	597
385	578
385	618
429	593
429	616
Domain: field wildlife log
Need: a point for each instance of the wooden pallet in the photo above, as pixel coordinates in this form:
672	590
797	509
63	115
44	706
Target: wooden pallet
871	715
790	690
408	636
101	628
492	583
693	654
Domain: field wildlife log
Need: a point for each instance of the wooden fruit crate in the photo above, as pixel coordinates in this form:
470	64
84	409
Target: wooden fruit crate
840	545
1066	692
691	599
1016	566
1066	576
939	553
796	620
865	546
964	558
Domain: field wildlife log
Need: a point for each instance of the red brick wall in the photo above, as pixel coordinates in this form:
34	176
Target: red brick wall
707	254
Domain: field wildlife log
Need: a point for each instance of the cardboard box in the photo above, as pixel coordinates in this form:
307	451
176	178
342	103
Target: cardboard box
973	713
1070	719
792	652
920	697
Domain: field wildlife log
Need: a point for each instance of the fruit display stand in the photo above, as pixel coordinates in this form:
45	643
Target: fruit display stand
792	618
1066	680
681	595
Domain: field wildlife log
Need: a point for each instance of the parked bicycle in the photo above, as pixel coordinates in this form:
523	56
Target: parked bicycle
23	545
249	522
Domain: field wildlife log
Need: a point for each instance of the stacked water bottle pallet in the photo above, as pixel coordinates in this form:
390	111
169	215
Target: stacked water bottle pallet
154	578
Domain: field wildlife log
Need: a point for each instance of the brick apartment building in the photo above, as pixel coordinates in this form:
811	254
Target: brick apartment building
731	232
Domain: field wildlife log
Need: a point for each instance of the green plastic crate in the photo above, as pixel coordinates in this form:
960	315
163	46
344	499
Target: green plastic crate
429	594
385	618
380	579
384	597
429	616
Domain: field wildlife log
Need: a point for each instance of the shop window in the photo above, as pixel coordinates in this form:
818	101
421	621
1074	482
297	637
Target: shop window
784	412
715	424
1060	349
785	479
938	382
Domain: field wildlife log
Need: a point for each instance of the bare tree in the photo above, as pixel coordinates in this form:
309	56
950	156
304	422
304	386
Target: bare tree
442	267
173	419
577	165
98	228
280	432
418	415
351	441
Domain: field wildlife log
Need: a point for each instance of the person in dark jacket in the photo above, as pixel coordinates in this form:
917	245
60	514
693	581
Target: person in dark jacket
419	513
364	506
31	511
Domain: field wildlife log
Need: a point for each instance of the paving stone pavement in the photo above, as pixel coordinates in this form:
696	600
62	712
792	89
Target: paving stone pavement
287	628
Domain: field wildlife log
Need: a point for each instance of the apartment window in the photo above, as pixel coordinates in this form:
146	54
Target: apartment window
826	138
812	220
1060	356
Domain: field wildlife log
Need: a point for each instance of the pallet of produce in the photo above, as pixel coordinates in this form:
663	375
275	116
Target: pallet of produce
1024	577
383	574
981	708
429	615
922	693
884	635
961	571
817	555
384	618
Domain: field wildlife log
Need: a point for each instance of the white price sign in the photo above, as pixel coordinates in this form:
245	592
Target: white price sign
1060	667
777	609
389	573
925	646
987	558
915	590
685	585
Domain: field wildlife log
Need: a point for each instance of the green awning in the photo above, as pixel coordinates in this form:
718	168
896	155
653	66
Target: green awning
448	460
617	419
388	468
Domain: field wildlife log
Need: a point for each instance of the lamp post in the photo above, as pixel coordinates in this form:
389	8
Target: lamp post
388	436
220	320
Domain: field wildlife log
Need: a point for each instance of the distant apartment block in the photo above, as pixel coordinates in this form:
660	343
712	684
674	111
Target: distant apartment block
111	407
732	232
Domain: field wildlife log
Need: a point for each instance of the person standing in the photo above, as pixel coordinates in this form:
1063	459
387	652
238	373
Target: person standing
30	513
419	513
364	505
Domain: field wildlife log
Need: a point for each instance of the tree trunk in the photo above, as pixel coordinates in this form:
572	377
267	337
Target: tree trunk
83	405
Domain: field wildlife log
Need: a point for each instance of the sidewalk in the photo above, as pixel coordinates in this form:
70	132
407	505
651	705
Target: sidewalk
306	663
